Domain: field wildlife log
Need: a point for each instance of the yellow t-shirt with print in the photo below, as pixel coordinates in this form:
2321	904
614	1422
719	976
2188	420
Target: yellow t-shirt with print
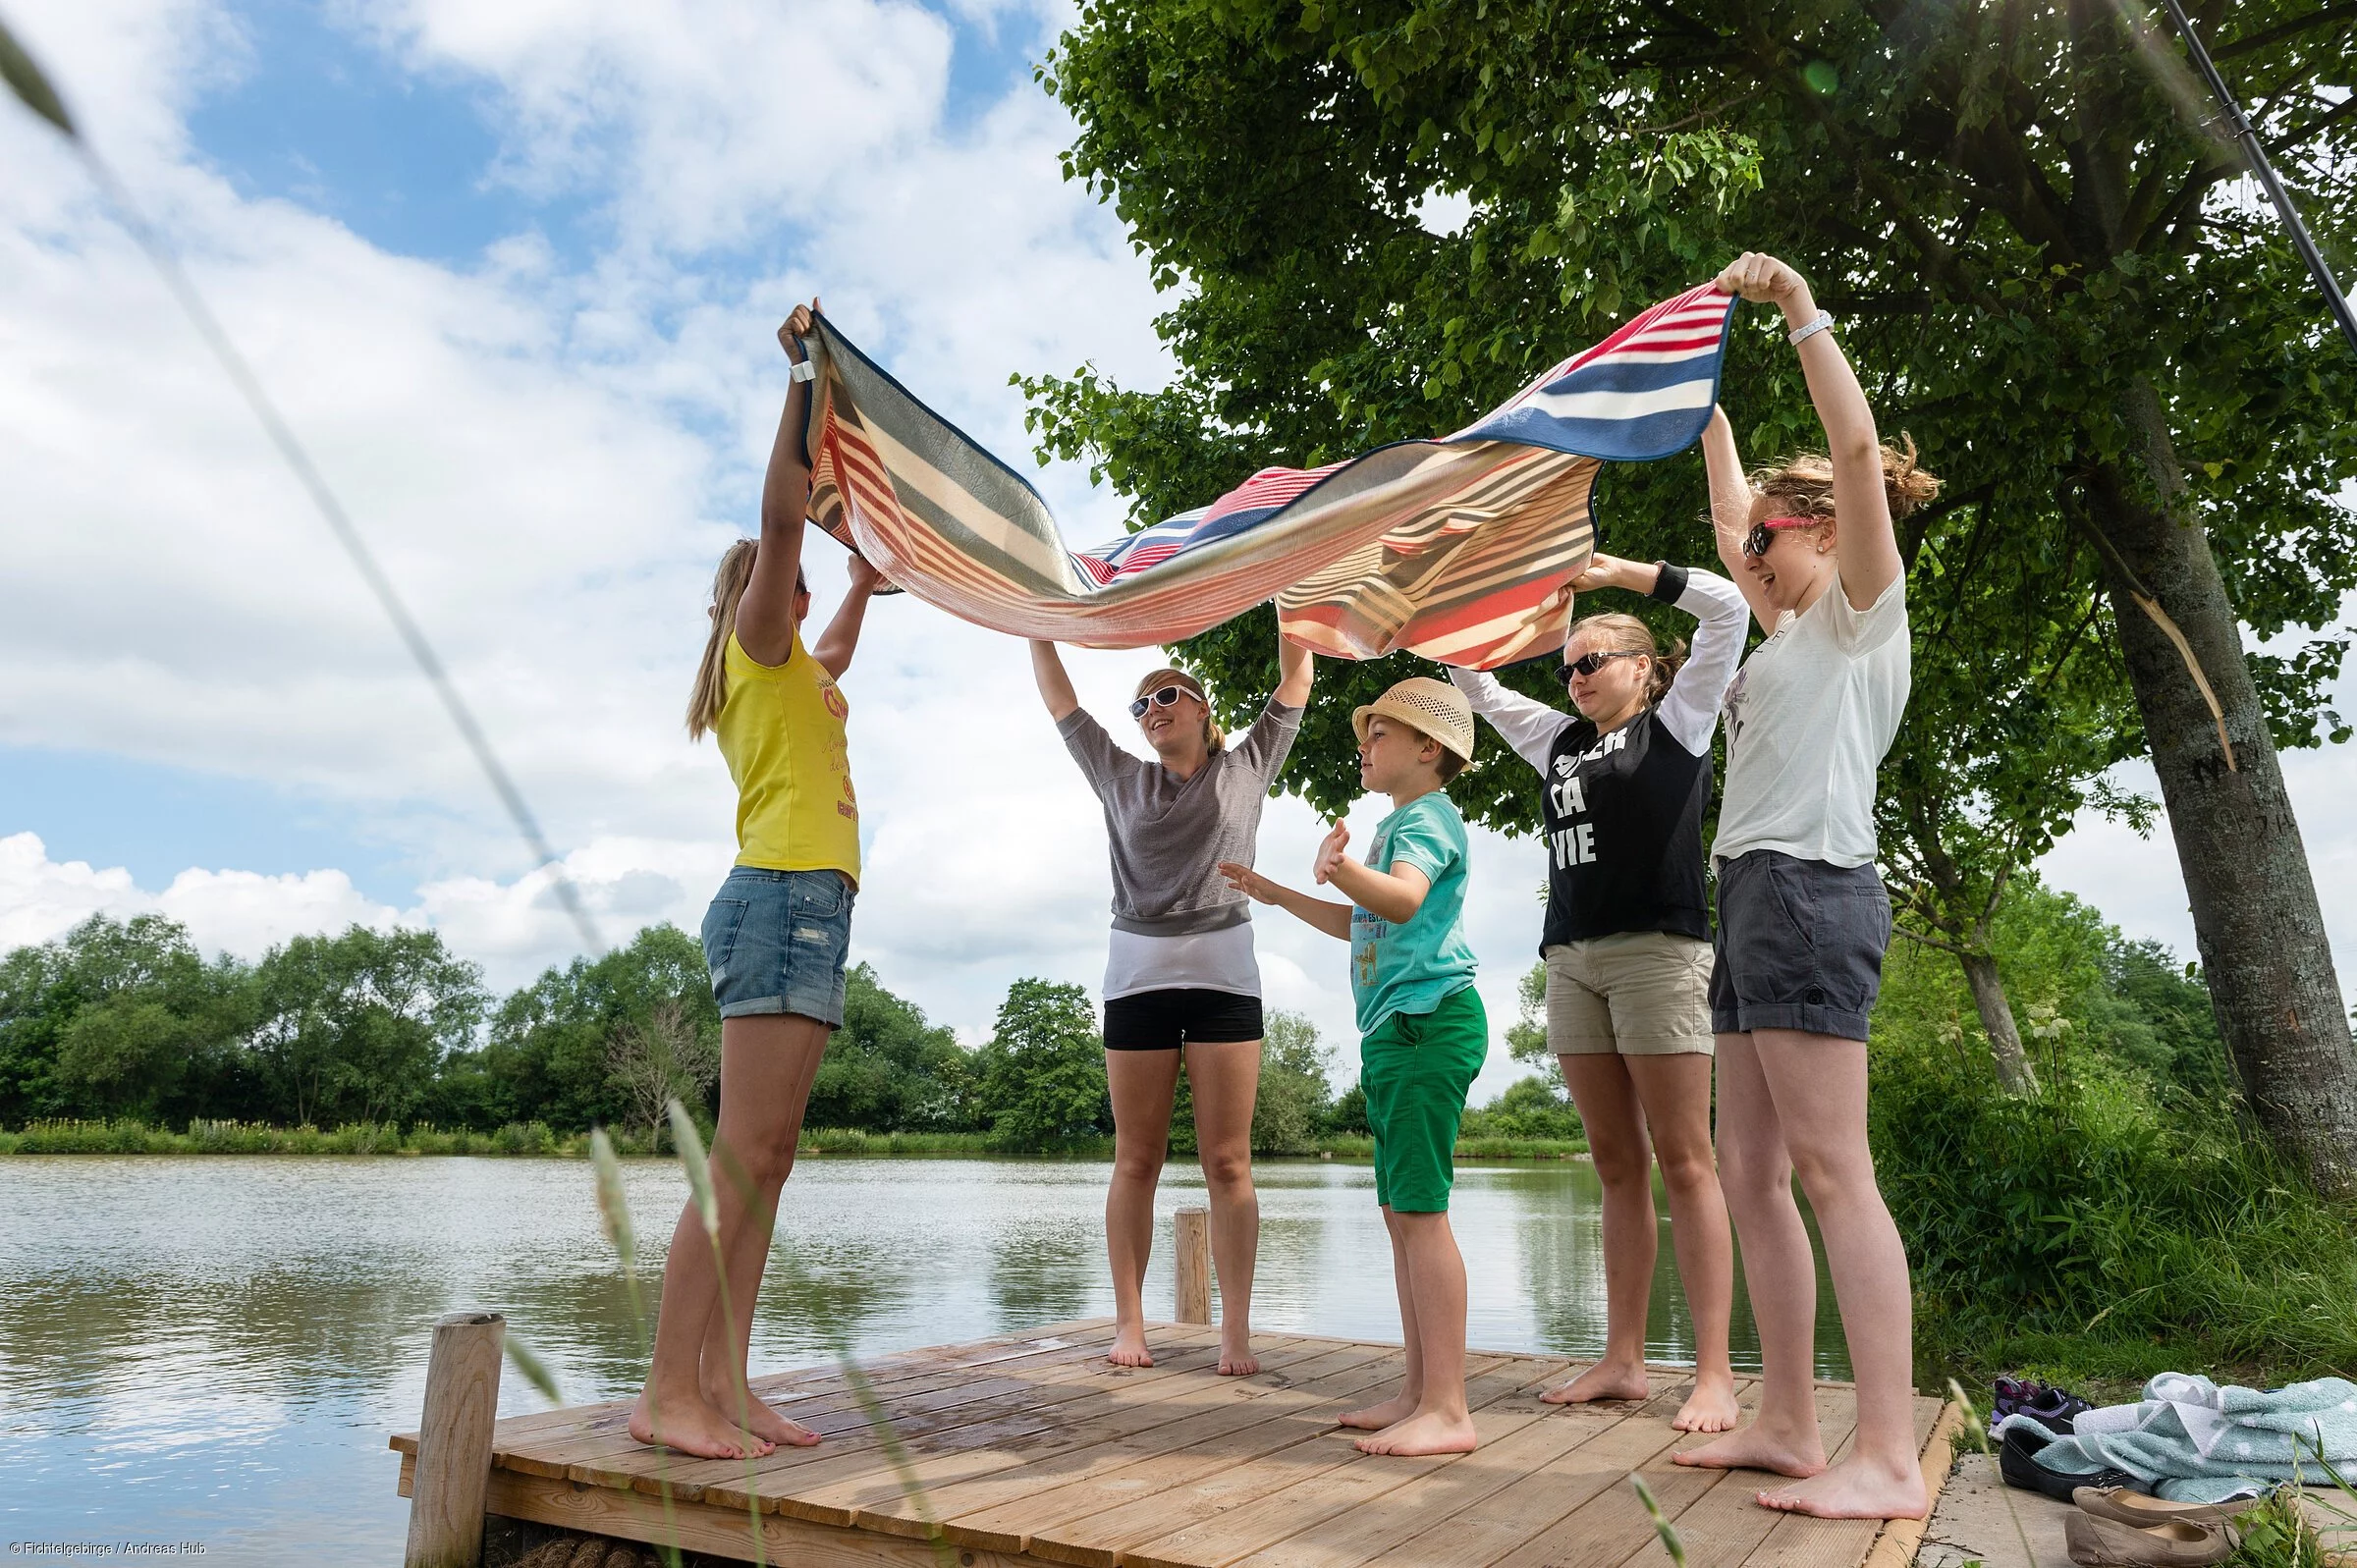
781	731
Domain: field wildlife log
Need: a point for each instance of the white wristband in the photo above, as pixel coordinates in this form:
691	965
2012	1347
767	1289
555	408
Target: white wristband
805	371
1802	333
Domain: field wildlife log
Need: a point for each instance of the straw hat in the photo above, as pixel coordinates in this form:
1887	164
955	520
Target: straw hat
1430	707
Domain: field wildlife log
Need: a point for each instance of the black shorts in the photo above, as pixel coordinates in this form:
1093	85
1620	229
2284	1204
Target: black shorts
1163	1020
1800	945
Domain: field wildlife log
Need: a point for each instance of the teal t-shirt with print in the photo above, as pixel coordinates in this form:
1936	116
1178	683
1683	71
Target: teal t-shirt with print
1414	967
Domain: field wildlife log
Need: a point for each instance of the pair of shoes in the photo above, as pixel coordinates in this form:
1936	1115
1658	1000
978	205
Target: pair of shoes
2091	1539
2017	1462
2052	1408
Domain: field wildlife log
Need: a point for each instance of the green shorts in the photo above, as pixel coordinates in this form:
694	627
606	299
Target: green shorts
1418	1068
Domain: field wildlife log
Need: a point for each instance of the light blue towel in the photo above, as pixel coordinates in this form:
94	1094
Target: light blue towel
2190	1440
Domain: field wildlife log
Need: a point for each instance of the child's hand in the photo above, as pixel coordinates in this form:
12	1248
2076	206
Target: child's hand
1244	880
1330	852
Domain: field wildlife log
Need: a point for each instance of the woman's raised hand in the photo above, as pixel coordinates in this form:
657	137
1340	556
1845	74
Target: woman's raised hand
1251	884
1604	571
1330	851
797	327
865	578
1762	279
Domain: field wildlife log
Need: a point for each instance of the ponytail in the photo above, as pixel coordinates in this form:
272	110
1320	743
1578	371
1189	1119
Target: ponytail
712	676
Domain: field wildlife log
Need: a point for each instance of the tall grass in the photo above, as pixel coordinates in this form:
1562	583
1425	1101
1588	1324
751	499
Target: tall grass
2106	1229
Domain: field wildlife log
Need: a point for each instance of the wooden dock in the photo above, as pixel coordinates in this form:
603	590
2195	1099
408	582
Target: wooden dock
1032	1448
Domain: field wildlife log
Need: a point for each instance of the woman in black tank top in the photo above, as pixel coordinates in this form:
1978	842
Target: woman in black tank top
1626	944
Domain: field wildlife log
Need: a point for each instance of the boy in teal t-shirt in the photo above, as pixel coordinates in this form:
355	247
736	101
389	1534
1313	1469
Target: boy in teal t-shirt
1424	1032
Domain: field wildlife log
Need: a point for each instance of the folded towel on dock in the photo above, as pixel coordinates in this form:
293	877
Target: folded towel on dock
2191	1441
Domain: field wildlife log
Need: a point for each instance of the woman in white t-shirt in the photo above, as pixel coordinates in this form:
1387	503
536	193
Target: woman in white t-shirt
1803	920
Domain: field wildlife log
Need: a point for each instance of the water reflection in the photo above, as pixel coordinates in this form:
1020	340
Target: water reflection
215	1349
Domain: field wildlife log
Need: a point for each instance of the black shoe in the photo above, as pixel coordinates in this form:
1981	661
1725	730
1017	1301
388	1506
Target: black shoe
2017	1462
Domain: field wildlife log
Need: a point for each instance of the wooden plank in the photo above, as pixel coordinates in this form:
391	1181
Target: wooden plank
720	1532
843	1499
1290	1490
967	1353
1067	1408
1532	1507
936	1402
1896	1544
1376	1531
1002	1512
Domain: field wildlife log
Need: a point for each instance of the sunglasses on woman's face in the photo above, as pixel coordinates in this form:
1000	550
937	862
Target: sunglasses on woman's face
1762	534
1163	698
1587	664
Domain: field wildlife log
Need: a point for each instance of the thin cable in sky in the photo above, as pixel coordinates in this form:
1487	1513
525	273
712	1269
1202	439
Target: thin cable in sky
31	87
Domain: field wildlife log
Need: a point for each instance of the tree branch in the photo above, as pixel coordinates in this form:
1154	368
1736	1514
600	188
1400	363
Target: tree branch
2324	17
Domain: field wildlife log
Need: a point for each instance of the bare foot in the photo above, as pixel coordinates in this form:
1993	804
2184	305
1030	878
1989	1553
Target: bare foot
1375	1417
764	1422
1711	1407
1856	1489
694	1428
1130	1347
1751	1448
1603	1381
1236	1360
1429	1433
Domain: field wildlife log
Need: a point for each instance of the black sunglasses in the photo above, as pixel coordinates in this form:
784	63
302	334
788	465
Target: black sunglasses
1588	664
1762	534
1157	699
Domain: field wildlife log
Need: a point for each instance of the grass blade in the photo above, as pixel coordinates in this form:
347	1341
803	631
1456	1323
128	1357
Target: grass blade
1671	1542
912	1487
613	1210
535	1371
690	1145
30	84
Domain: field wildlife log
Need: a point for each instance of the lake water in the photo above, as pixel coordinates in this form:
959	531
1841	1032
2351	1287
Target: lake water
214	1350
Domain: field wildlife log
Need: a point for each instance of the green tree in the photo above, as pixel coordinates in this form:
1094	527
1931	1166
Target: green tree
1295	1093
2042	267
548	1055
887	1069
1040	1081
354	1027
118	1018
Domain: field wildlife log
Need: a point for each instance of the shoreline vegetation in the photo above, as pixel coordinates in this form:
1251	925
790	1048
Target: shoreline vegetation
537	1141
2127	1218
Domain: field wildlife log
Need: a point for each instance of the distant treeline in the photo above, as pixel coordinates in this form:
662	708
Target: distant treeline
127	1022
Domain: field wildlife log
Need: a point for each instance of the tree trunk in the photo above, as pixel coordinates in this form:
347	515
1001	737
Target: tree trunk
1996	1017
2253	896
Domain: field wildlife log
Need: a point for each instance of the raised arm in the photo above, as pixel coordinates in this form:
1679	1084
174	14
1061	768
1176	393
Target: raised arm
1690	706
765	615
1529	727
840	640
1865	545
1731	512
1295	669
1055	686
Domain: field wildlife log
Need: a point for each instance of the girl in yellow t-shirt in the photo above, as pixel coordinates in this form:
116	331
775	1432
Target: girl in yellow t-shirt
774	941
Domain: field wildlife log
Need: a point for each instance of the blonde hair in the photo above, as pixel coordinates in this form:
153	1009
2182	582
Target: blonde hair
712	676
1213	738
1626	633
1802	485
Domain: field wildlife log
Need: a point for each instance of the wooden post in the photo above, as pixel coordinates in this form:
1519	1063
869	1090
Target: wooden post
1192	1228
454	1442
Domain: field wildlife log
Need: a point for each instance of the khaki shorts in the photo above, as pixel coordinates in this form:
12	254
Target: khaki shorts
1638	992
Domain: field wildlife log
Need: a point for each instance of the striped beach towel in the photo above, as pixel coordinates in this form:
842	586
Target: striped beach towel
1457	549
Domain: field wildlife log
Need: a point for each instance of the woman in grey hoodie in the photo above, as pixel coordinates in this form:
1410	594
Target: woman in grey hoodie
1180	973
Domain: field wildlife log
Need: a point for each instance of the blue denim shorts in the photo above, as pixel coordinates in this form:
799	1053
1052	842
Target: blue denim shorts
774	943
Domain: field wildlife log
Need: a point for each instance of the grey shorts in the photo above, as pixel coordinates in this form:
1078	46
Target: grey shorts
1799	945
